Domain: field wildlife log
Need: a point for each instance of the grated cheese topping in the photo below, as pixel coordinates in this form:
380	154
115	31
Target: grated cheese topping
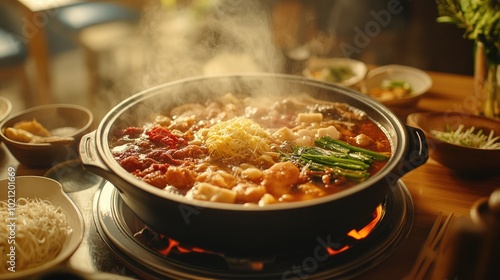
239	139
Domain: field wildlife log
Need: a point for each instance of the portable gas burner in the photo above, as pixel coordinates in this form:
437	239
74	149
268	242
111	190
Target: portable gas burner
155	256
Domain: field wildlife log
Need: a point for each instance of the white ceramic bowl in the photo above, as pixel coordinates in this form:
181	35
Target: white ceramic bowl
51	190
315	66
419	81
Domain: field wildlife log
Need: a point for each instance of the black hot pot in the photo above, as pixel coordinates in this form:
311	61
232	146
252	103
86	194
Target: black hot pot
235	229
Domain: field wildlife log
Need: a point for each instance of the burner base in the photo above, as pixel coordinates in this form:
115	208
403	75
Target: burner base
117	224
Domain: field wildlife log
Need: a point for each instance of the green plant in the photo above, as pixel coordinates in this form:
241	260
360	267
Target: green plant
479	18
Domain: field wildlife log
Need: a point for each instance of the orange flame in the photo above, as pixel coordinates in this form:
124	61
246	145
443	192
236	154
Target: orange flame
333	252
173	244
362	233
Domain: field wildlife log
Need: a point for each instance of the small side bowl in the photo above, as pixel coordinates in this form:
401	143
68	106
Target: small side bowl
419	81
358	69
43	155
465	161
51	190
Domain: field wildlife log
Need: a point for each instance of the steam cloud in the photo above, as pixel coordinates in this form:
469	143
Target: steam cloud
227	36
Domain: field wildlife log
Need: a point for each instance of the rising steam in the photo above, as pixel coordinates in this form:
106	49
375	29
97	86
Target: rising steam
203	38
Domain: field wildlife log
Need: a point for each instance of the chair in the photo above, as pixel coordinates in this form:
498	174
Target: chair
98	27
13	56
81	15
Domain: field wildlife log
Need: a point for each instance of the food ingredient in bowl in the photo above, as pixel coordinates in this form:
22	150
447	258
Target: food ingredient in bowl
33	127
391	90
40	232
35	133
468	137
26	137
333	74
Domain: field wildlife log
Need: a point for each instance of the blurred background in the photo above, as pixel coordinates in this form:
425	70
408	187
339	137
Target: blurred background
96	53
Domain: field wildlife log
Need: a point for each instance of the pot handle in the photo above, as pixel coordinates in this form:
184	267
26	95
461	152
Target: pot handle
93	162
416	155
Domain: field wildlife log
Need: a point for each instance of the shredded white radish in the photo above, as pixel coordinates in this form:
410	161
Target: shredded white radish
40	232
469	138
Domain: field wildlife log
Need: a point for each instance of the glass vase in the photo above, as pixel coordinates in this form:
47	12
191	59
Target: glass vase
486	87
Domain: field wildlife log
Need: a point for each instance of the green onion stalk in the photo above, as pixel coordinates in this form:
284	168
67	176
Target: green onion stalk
336	159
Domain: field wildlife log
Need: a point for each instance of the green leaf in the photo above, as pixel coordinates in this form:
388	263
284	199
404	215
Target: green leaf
480	20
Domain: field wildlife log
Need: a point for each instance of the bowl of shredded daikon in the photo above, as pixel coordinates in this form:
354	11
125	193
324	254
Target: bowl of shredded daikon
40	227
466	143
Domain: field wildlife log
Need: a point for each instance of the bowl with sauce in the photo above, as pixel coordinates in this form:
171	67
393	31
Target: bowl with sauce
396	85
44	136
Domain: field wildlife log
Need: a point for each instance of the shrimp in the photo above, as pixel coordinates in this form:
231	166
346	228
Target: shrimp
280	178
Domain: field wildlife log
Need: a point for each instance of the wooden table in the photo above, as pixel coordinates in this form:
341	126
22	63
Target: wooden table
433	189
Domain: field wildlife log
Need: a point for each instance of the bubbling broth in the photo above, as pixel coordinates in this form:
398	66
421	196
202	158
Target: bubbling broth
254	150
